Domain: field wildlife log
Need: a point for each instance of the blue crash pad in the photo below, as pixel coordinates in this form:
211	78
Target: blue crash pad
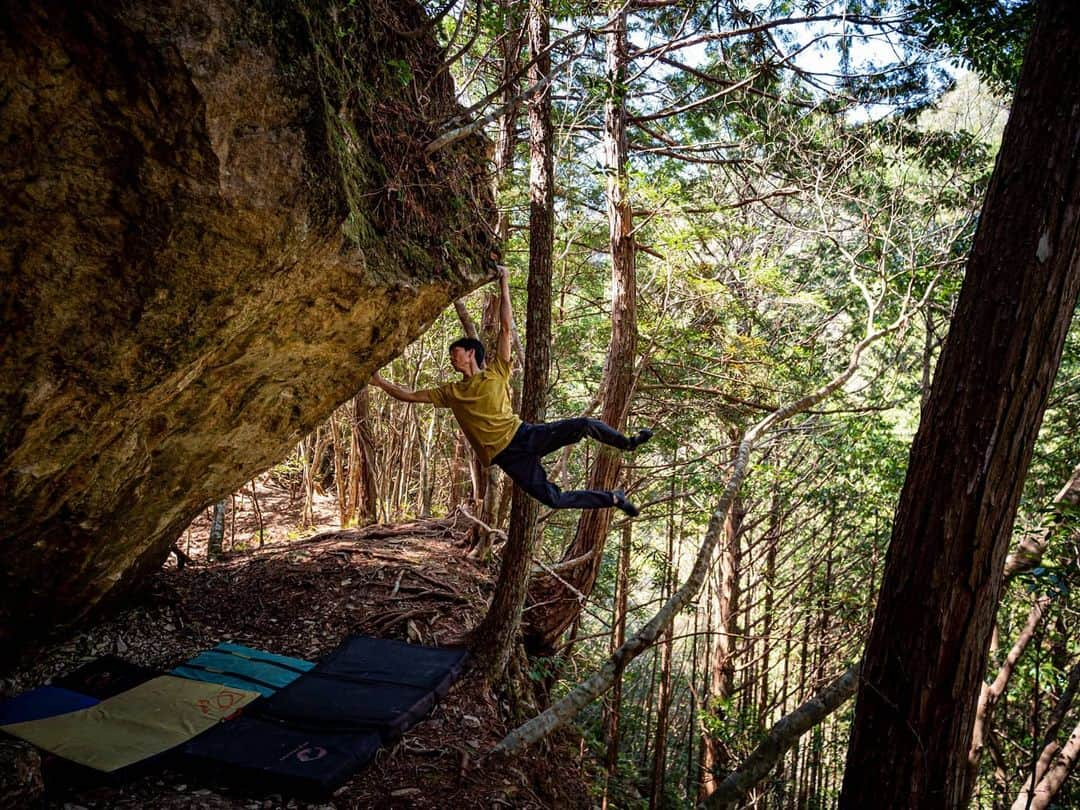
45	701
244	668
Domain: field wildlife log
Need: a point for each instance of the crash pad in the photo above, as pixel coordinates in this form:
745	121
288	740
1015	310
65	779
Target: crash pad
312	734
134	725
106	677
244	667
45	701
272	756
368	684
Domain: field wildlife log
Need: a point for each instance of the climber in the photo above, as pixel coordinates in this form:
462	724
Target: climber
481	403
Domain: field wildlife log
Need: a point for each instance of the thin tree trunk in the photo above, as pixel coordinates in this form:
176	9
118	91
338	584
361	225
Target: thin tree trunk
663	710
340	484
992	692
691	787
723	660
547	623
307	514
365	489
217	531
804	654
499	629
943	575
461	466
769	583
258	512
618	636
704	763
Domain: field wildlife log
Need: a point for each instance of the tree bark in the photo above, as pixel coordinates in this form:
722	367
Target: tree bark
340	484
618	636
363	489
943	575
499	629
723	656
546	624
217	531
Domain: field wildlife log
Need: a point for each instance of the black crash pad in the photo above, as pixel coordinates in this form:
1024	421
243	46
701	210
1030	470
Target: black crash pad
106	677
269	756
312	734
368	684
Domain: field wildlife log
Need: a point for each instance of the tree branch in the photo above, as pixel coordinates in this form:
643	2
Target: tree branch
784	734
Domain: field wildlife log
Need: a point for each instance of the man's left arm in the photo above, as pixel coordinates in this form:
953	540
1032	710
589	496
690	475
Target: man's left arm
506	317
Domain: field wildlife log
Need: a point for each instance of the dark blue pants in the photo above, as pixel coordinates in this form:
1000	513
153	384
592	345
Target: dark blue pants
521	460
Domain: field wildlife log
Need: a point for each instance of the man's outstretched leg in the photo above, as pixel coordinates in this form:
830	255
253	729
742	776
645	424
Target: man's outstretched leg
525	470
547	437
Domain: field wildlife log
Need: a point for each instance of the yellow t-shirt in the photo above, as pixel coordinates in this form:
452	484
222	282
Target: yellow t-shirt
481	405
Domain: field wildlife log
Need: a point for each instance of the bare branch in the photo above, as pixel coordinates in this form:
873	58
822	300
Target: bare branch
784	734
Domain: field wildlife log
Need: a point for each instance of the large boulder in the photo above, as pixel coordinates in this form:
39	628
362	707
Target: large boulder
217	218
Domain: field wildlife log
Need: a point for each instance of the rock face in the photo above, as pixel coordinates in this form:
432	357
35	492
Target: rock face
216	220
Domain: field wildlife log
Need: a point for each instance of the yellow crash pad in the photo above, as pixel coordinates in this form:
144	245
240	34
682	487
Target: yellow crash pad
134	725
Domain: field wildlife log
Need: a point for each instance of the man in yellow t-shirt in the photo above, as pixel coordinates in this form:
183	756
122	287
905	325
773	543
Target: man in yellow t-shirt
480	402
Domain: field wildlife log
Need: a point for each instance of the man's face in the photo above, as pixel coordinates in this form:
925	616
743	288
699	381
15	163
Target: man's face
460	358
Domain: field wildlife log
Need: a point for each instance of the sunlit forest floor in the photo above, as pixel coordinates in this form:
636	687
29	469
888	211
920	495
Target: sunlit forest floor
300	597
276	515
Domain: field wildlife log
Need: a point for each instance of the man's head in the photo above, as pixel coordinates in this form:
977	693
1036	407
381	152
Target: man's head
464	348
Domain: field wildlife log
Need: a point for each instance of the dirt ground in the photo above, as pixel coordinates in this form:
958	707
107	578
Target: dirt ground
300	596
276	511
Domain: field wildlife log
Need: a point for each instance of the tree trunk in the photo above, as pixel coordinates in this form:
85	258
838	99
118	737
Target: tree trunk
927	650
769	583
217	531
691	787
340	484
546	624
363	489
723	661
618	636
307	466
663	710
499	629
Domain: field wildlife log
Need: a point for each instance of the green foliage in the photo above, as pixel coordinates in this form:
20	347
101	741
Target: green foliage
773	234
990	35
401	71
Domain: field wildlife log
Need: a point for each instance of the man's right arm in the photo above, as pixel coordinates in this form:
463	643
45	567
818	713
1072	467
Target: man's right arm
399	391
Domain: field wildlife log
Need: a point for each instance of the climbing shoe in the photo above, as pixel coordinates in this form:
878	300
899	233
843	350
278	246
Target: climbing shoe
640	438
622	502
